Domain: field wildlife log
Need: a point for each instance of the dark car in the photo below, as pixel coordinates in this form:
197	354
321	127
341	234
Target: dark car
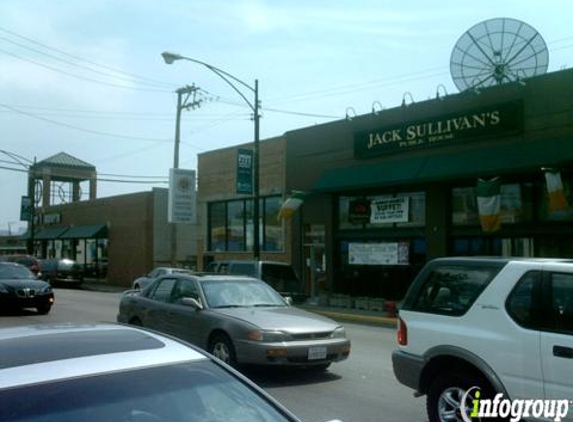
105	372
19	288
61	271
28	261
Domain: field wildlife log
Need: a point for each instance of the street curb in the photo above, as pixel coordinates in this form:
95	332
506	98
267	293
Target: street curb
347	317
102	287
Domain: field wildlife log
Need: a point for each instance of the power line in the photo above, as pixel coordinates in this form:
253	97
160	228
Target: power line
96	132
130	175
148	182
131	75
83	78
299	113
70	63
13	169
101	179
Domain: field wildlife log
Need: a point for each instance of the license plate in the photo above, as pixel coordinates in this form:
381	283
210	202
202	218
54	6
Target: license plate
317	352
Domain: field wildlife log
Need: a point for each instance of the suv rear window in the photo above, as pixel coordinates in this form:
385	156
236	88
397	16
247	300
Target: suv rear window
451	290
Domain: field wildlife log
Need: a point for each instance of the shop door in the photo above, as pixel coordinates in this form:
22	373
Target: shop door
315	269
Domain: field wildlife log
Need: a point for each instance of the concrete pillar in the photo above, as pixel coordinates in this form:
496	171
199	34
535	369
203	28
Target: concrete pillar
46	186
93	187
437	217
76	191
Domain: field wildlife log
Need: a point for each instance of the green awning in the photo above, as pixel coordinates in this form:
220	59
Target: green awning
85	232
495	161
50	234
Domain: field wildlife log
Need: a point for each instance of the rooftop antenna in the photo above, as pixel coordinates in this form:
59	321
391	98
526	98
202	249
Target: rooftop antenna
497	51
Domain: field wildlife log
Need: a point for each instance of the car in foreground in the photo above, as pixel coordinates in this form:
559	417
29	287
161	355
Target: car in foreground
498	327
110	372
61	271
240	320
19	288
142	282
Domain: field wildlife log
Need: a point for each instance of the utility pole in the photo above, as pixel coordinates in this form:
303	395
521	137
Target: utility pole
256	190
186	99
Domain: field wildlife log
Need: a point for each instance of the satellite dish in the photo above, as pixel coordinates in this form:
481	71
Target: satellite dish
497	51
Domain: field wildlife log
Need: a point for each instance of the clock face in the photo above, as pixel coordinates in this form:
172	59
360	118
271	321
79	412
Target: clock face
184	183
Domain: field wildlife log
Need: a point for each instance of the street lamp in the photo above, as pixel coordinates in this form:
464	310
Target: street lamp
229	79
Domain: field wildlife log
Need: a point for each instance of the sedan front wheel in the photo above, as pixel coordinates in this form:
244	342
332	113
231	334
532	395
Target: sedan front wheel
222	348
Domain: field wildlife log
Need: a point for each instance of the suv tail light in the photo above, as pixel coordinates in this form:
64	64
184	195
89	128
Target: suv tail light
402	333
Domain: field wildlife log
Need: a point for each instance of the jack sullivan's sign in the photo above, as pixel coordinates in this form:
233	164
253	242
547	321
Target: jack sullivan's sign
502	119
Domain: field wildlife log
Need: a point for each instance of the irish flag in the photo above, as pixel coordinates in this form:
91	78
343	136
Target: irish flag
291	204
557	200
489	204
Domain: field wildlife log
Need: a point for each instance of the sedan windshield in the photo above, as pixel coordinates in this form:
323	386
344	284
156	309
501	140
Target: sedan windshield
241	293
15	272
190	392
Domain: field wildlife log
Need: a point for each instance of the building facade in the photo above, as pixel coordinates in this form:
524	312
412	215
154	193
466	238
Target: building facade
121	237
225	229
388	191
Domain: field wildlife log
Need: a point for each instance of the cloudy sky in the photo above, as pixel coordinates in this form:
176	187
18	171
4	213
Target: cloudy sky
87	78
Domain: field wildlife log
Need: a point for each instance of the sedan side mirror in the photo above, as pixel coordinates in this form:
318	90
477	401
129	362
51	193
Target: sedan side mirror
290	302
190	301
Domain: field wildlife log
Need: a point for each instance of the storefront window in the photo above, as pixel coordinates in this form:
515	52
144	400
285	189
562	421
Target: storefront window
464	206
231	225
516	204
217	220
344	220
416	209
274	240
235	226
404	209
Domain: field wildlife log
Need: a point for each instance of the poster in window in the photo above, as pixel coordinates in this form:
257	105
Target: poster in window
390	210
373	253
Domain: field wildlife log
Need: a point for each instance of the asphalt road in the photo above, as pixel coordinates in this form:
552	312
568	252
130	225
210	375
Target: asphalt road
360	389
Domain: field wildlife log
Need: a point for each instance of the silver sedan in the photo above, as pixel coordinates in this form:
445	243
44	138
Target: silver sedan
240	320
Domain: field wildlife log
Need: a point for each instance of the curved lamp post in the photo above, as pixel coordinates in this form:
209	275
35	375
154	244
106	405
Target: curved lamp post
254	105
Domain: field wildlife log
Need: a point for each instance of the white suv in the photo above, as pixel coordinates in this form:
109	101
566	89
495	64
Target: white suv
501	325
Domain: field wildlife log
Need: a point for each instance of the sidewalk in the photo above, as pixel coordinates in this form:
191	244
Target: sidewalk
352	315
338	314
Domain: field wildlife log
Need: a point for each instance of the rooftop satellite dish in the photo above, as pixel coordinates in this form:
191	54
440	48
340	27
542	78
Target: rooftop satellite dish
497	51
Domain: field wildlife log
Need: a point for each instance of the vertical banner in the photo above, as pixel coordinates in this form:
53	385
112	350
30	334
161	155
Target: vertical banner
181	202
557	200
26	209
489	204
245	171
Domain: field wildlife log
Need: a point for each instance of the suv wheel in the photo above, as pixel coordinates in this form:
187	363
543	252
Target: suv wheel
446	394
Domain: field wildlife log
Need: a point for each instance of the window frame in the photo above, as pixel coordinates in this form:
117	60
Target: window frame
247	243
158	284
537	298
411	302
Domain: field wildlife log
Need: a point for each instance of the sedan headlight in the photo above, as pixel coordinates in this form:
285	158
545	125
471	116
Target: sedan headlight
268	336
47	289
340	332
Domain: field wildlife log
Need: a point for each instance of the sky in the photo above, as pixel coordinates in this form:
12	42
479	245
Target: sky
88	79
